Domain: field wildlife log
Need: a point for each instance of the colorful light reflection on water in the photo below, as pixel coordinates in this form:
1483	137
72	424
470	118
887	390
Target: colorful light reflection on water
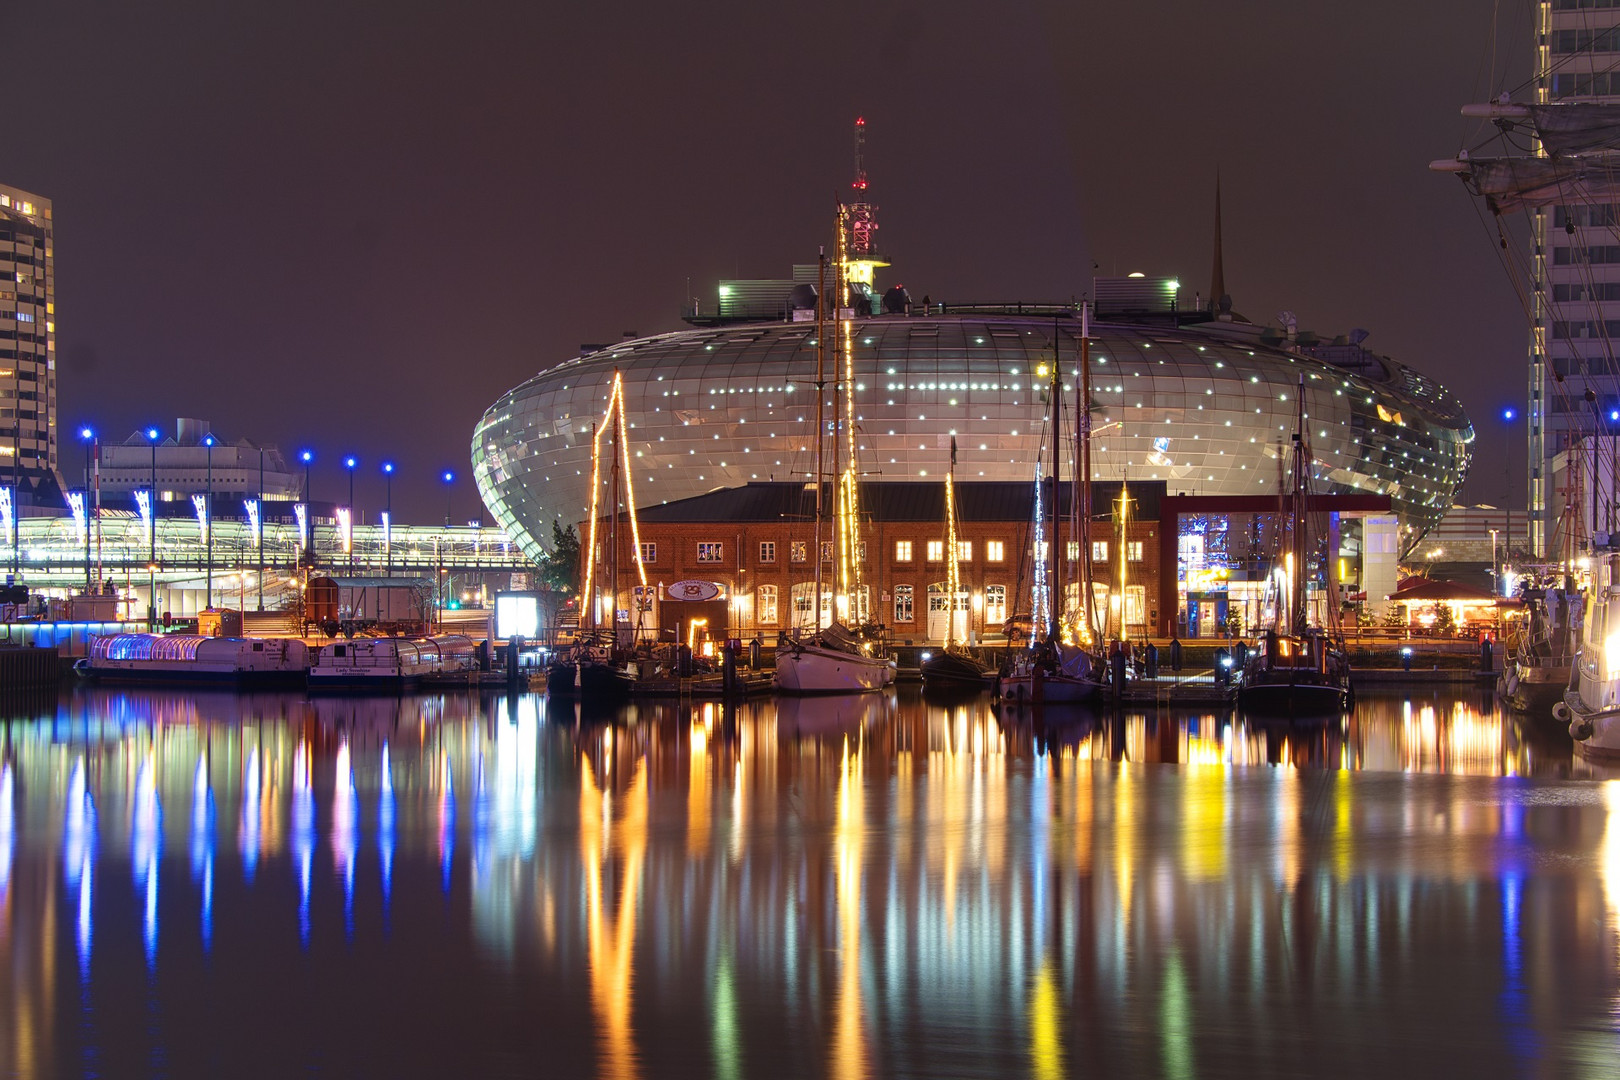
466	886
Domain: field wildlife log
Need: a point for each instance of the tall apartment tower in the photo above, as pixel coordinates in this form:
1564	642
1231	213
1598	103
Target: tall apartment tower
1575	332
28	348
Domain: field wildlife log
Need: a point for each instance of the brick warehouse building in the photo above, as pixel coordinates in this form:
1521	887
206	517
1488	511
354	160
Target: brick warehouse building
741	559
753	545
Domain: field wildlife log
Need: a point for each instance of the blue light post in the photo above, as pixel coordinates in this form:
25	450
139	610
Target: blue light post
87	435
208	523
349	463
388	519
151	562
307	456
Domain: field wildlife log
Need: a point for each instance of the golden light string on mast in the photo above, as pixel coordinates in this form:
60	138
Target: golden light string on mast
629	485
596	495
846	502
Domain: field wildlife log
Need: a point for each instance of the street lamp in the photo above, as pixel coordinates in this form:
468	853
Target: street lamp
151	555
388	519
1496	573
307	456
349	463
208	523
87	435
449	492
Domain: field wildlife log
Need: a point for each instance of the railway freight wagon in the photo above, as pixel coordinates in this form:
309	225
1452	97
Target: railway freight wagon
350	604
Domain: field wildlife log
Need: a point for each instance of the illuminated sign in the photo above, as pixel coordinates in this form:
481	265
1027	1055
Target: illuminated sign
301	511
254	523
346	529
143	501
200	504
694	590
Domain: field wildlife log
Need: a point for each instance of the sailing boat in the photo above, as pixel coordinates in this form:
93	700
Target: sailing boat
835	658
952	668
1591	705
1300	671
1052	670
597	665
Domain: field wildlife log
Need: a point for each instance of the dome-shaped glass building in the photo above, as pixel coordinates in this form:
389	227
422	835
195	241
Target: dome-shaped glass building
1205	405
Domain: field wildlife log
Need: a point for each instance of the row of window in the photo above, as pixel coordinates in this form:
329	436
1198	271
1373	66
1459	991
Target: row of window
1602	290
995	551
1594	253
767	603
1591	328
1584	41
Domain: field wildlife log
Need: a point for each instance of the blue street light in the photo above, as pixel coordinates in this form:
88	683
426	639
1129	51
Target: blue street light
151	557
88	435
388	516
349	463
449	479
1508	414
208	522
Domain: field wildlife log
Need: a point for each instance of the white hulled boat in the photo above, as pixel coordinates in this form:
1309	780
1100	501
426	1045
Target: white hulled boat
1591	705
188	658
833	657
390	664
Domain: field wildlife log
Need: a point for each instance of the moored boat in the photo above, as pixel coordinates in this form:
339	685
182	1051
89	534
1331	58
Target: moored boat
390	664
188	658
831	661
1591	705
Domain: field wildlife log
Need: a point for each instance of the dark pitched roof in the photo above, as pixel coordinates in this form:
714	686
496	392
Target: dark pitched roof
896	501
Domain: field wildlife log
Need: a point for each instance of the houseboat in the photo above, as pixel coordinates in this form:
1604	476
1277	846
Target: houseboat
390	664
188	658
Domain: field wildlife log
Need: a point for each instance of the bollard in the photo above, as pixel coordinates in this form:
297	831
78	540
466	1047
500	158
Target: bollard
755	647
1117	665
728	669
1406	658
1485	654
683	661
1175	654
1240	655
514	652
1152	661
1223	667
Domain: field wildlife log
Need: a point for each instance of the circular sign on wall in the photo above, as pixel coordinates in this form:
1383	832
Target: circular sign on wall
694	590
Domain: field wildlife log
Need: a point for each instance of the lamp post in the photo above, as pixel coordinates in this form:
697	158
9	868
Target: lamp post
307	456
88	437
1508	416
1496	573
388	519
259	540
208	524
151	555
349	463
449	492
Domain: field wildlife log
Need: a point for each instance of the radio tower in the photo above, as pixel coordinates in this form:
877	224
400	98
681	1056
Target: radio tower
863	258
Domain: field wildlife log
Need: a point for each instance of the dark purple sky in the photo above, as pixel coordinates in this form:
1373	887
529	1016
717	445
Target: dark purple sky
352	226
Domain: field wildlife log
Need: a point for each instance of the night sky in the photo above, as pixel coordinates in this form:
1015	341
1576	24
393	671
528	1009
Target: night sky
352	226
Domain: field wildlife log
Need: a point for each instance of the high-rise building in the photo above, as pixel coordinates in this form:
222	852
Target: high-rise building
1575	262
27	348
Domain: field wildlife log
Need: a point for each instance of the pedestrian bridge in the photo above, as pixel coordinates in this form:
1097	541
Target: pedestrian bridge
55	552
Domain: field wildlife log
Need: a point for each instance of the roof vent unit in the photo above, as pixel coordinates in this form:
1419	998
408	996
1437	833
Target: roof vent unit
1135	295
802	302
897	301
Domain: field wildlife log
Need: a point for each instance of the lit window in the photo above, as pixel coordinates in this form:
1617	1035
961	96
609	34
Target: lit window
767	552
712	551
799	551
904	609
1099	551
936	551
649	553
995	551
1073	551
995	605
1133	550
766	603
902	551
826	551
964	551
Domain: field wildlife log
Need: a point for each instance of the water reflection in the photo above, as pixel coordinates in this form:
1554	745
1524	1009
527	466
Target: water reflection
856	887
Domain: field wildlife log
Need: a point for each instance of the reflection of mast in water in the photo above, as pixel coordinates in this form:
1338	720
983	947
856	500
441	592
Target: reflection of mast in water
849	1037
248	829
611	938
78	857
447	821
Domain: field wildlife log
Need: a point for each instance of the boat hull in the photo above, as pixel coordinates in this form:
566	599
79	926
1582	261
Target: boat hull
190	676
1040	688
1533	690
952	673
814	669
1299	696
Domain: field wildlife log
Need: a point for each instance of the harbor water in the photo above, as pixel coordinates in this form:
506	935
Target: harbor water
453	885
